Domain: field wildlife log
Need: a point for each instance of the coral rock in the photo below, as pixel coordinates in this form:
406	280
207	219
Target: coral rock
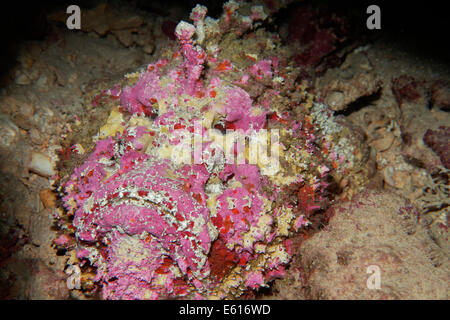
438	141
338	263
159	208
41	164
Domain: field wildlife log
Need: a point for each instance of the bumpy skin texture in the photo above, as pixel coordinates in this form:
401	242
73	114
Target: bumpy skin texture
157	227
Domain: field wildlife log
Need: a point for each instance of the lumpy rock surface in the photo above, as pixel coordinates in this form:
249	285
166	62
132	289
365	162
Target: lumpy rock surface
158	218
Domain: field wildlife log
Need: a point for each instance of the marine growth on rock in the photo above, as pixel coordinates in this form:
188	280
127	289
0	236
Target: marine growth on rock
188	190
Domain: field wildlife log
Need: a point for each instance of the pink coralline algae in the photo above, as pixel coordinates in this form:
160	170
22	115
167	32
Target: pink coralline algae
155	226
262	69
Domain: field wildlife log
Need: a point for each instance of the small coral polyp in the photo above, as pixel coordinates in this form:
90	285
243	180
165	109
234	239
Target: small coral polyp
157	228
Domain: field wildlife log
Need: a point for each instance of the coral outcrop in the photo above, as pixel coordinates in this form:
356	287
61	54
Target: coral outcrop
180	197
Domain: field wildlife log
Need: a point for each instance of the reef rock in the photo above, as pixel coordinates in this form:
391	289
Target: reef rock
340	262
